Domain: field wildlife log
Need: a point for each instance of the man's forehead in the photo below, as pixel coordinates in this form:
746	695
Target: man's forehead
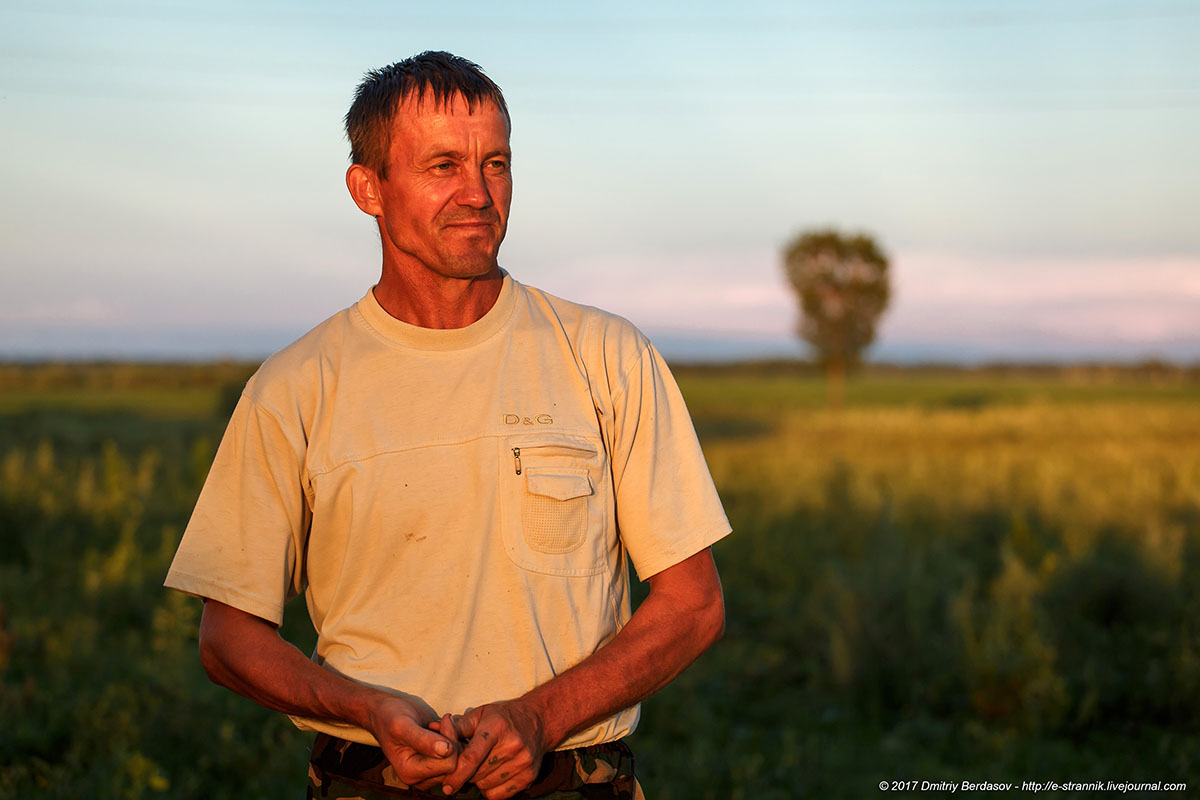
424	128
429	104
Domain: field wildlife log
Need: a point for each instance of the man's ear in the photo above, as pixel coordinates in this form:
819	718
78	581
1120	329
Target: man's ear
363	184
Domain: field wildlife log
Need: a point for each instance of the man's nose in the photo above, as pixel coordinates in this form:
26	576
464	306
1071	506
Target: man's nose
474	191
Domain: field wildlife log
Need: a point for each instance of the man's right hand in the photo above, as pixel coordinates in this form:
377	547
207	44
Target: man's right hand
420	756
245	653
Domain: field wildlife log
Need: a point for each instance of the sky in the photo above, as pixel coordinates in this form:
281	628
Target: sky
172	173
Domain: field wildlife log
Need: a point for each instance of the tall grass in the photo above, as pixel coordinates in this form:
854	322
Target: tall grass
958	577
938	589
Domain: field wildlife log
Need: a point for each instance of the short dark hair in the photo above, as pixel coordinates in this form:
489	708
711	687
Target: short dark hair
434	72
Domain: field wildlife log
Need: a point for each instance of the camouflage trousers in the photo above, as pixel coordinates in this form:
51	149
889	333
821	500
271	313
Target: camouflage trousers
341	770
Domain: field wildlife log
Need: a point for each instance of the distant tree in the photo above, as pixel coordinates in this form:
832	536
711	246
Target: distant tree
842	287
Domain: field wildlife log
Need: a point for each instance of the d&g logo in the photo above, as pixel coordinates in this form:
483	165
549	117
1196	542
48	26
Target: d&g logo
517	419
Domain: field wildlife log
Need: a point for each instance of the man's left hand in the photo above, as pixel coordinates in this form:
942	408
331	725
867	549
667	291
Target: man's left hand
504	755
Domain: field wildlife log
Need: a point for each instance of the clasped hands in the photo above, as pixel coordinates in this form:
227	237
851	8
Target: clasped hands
498	747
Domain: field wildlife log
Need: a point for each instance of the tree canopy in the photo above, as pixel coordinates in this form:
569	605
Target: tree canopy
842	286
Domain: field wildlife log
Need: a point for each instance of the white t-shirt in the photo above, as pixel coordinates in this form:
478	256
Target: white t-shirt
456	505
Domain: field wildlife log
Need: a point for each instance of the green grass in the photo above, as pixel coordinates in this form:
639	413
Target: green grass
710	391
962	575
154	403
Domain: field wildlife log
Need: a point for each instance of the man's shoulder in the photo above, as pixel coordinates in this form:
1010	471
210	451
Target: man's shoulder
298	367
609	331
608	347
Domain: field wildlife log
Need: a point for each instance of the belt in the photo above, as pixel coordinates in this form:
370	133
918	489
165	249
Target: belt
339	768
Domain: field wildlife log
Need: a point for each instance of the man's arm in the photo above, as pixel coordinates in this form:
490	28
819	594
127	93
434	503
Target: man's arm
682	616
245	653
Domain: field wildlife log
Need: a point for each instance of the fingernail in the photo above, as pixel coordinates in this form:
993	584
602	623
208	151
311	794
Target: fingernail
442	748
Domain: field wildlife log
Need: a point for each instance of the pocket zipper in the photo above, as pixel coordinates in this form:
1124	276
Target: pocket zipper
516	451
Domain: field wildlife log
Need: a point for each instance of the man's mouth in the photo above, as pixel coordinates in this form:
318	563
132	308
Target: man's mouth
470	223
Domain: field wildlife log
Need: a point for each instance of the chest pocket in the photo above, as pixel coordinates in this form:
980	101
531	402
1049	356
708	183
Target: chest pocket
555	507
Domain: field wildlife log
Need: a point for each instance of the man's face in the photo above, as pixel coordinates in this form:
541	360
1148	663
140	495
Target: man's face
445	200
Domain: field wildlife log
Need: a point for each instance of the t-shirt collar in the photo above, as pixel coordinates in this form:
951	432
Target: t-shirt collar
408	335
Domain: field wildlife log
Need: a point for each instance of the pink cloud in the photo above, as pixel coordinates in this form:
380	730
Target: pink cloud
937	296
1119	300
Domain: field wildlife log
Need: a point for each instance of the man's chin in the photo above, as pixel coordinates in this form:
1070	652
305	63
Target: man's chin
477	266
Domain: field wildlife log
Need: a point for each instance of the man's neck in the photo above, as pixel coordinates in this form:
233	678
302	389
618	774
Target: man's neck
429	300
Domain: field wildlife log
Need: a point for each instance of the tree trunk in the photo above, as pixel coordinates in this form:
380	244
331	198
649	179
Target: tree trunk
835	375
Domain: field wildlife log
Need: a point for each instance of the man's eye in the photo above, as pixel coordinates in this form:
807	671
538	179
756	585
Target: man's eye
498	165
445	166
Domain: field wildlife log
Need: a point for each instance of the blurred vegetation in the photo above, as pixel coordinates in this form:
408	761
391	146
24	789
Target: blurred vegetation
842	288
965	574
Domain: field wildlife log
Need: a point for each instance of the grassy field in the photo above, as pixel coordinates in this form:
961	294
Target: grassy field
963	575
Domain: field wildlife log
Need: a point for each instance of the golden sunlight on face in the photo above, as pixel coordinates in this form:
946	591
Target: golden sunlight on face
445	200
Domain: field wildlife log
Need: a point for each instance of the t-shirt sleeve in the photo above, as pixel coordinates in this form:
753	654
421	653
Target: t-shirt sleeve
244	542
667	506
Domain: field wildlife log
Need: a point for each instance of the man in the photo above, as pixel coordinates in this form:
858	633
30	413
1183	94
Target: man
453	471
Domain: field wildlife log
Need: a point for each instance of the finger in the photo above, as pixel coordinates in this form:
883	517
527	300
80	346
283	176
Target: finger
505	790
439	725
478	749
506	764
447	728
429	785
466	722
505	758
418	770
428	775
426	742
500	772
494	769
